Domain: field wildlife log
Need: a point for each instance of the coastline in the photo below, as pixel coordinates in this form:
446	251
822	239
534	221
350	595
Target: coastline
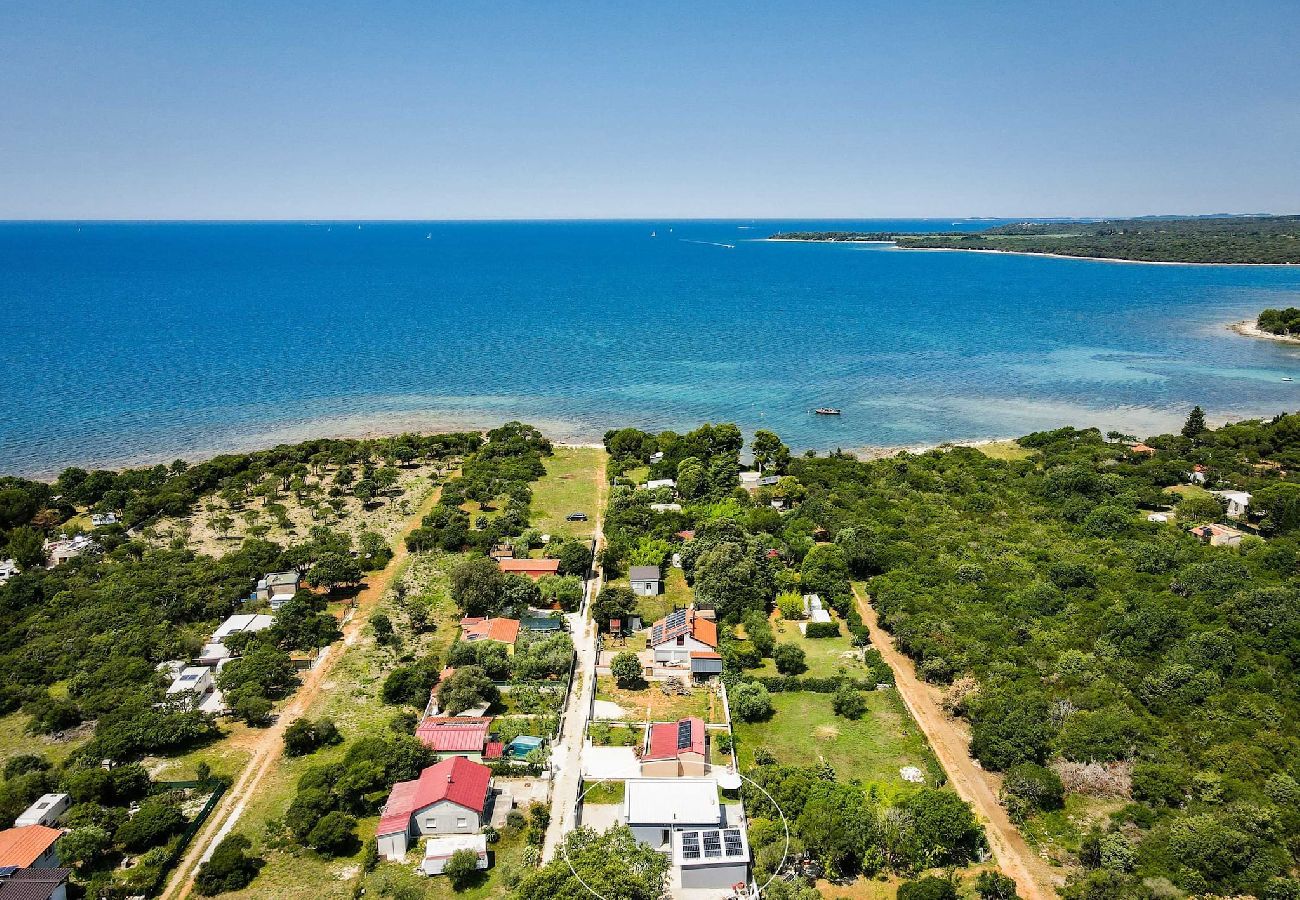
1247	328
882	452
1105	259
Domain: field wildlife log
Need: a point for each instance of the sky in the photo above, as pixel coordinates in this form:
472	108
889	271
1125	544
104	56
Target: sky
447	110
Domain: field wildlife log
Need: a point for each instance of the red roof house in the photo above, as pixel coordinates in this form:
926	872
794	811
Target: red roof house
533	568
449	797
455	735
502	630
30	846
675	749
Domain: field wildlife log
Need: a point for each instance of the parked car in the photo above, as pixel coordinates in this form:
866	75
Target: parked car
576	517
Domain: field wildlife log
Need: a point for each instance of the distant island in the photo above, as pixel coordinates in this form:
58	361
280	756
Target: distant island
1251	240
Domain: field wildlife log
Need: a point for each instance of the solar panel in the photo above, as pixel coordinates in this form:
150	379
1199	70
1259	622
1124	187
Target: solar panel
712	844
690	845
683	734
731	837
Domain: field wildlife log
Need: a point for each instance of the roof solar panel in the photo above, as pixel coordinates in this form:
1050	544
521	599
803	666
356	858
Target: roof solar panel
683	734
690	845
712	844
731	837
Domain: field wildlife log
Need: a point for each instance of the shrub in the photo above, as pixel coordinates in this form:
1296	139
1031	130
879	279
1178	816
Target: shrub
822	629
750	701
334	834
790	659
1029	788
849	703
304	736
995	886
461	869
229	868
930	887
153	824
626	669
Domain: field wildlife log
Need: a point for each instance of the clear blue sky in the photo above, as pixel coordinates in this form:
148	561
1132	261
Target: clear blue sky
607	109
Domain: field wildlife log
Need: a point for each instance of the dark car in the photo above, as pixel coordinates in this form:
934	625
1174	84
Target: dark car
576	517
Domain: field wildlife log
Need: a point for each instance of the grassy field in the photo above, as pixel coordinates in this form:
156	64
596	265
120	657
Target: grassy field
662	708
825	655
1057	834
569	485
351	699
604	792
1005	450
16	741
804	729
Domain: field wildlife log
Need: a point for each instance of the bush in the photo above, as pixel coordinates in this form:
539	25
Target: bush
995	886
229	868
750	701
1029	788
334	834
153	824
304	736
849	703
461	869
790	659
930	887
626	669
822	629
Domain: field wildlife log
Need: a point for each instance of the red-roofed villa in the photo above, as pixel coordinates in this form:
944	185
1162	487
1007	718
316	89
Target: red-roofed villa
450	797
455	735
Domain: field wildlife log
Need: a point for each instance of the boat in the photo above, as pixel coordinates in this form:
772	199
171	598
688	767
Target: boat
826	411
1287	379
429	236
652	234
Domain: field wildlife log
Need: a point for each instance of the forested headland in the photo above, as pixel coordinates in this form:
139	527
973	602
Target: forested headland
1211	239
1283	322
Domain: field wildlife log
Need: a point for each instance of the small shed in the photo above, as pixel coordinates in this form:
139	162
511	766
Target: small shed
705	663
523	745
45	811
437	851
646	581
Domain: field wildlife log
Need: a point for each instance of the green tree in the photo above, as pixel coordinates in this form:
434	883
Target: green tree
334	834
993	885
477	585
1195	426
790	659
849	703
931	887
750	701
770	455
83	847
691	482
230	868
626	669
27	548
468	687
825	572
612	864
462	869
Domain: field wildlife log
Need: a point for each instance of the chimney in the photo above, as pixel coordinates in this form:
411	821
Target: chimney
449	778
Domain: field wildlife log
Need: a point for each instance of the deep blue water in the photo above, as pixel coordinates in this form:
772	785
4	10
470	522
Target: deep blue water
128	341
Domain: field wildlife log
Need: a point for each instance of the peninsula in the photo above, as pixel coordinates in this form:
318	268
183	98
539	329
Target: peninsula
1229	240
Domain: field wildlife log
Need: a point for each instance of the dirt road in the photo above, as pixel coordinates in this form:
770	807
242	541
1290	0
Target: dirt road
1033	878
268	745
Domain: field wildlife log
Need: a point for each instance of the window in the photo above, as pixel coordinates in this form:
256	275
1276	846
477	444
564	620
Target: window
666	836
681	640
462	823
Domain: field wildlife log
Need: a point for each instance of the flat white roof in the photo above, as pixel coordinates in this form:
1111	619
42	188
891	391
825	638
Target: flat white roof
244	622
671	801
437	847
189	679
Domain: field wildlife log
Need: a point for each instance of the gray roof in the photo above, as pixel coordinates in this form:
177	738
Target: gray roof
644	573
32	884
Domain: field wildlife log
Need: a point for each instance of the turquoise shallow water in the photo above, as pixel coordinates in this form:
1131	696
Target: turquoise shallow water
145	341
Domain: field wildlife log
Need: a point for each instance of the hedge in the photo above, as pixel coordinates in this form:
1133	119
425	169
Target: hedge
822	630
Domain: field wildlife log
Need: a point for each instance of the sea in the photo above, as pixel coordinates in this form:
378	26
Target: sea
142	342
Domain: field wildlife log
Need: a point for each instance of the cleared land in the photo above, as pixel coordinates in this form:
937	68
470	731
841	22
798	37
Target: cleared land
653	704
826	657
571	484
804	729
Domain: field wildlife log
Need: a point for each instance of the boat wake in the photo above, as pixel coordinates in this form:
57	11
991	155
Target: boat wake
709	243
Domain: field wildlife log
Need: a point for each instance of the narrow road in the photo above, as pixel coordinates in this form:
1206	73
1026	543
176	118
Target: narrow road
977	787
566	754
269	745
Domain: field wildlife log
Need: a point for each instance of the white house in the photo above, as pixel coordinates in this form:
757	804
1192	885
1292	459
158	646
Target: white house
1238	502
243	622
646	581
1217	535
660	483
99	520
666	507
813	609
449	797
8	569
683	818
678	634
45	811
1158	517
438	850
749	480
194	679
657	456
64	549
278	588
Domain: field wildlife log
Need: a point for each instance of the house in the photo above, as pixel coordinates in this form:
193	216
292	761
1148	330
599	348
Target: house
657	483
502	551
449	797
1142	450
100	520
533	568
1238	502
705	664
541	624
769	481
438	850
64	549
813	609
657	456
1158	517
710	858
675	749
1197	475
33	884
243	622
277	588
30	847
8	569
213	655
646	581
499	629
677	634
1217	535
45	811
194	679
666	507
654	807
455	735
749	480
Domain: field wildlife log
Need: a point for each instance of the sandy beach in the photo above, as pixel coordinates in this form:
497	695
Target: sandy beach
1107	259
1248	328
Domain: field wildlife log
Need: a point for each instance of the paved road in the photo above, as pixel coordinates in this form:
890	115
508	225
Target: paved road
566	754
269	743
972	784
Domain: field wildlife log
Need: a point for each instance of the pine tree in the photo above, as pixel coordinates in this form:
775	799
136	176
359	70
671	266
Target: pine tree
1195	425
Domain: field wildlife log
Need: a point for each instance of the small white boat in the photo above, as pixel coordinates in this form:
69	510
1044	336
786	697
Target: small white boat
1288	379
429	236
653	234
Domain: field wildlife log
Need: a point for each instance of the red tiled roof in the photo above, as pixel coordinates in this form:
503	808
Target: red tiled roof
454	734
680	622
704	630
1142	448
24	845
705	654
494	750
455	779
686	535
665	743
499	629
533	568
